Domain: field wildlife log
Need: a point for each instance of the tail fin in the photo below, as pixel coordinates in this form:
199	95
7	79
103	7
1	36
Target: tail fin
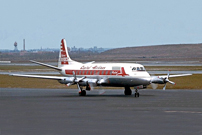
64	58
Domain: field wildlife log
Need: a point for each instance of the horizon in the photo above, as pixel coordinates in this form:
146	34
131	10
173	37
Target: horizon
98	47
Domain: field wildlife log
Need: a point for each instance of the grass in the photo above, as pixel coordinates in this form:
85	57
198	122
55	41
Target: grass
20	68
173	68
188	82
149	68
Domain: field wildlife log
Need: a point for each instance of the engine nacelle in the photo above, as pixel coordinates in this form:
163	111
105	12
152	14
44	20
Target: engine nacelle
158	80
140	87
66	80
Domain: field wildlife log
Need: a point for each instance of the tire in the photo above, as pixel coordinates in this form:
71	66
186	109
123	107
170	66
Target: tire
82	93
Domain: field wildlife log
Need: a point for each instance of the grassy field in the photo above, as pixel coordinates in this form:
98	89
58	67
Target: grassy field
11	68
188	82
173	68
148	68
6	81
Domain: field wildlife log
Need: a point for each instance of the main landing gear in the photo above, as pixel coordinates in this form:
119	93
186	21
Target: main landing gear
128	91
82	92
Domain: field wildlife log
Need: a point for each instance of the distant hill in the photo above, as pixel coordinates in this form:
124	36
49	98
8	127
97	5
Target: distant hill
177	52
159	52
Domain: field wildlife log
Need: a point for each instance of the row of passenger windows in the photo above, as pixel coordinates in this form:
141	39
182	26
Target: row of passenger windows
138	69
90	72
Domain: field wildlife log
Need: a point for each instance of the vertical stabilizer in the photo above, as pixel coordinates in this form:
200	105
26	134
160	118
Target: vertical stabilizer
64	58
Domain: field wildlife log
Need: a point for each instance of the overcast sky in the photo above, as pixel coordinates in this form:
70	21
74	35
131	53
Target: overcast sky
101	23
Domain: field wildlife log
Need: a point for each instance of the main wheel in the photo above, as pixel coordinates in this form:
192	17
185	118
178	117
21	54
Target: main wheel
82	93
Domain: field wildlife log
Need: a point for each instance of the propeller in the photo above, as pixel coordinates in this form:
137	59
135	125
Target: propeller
76	81
99	83
154	86
166	79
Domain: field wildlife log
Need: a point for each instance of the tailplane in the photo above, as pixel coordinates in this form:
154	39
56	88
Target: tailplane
64	58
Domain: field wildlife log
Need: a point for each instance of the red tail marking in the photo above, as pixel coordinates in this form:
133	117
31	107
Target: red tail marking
64	58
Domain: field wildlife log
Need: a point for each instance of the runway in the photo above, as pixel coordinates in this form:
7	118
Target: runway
62	112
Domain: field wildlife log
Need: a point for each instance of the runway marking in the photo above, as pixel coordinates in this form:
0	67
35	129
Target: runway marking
183	112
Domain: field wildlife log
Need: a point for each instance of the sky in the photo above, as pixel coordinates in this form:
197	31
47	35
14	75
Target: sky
101	23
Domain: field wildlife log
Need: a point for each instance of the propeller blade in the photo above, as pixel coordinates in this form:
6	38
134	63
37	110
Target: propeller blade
74	75
101	92
154	86
168	74
164	88
91	86
78	87
80	79
69	84
171	82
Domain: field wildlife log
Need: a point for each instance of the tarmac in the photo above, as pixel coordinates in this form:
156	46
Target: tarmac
63	112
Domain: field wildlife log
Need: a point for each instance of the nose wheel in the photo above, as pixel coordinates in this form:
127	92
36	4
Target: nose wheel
136	93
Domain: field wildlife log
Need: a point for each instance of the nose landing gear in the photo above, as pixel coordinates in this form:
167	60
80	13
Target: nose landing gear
137	93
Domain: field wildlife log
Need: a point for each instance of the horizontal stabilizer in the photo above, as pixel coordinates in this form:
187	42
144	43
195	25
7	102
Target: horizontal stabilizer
90	62
46	65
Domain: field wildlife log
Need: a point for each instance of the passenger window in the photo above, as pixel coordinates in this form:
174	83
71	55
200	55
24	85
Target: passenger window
138	68
110	72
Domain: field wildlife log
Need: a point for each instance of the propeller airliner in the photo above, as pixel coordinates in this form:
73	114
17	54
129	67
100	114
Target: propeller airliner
91	74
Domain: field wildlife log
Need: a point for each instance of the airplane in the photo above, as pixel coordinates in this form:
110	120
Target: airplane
91	74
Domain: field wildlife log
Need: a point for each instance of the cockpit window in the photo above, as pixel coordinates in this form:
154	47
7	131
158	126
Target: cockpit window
134	68
141	69
138	69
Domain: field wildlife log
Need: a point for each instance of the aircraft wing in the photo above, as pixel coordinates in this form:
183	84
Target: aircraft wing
39	76
164	76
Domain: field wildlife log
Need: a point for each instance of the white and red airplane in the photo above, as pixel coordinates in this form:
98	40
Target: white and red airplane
93	74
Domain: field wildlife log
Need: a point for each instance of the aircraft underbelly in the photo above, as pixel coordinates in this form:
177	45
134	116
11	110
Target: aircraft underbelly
122	82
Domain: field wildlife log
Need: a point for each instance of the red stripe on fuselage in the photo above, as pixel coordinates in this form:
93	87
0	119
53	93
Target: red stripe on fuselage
93	72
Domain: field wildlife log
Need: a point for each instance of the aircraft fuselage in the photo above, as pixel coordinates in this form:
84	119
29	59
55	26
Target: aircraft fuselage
113	74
